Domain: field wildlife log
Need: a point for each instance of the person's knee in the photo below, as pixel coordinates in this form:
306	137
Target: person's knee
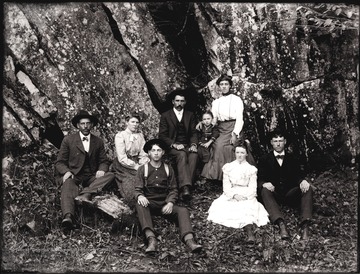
181	156
110	175
69	183
181	210
265	192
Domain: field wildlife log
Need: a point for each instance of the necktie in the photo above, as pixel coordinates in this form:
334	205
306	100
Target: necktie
85	139
279	157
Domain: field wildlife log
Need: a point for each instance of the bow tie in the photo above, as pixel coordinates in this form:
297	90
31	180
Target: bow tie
279	157
85	139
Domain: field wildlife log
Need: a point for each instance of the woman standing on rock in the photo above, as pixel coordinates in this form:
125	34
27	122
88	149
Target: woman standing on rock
130	156
228	114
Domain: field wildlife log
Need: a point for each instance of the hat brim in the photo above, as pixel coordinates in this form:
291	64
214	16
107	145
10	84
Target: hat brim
77	118
148	145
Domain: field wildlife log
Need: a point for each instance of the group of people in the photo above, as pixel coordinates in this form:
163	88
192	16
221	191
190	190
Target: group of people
154	187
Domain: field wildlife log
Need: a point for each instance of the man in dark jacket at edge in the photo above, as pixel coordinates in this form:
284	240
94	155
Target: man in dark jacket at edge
281	180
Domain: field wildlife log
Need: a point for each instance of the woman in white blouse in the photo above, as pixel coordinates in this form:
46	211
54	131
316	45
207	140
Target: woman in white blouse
130	155
238	207
228	114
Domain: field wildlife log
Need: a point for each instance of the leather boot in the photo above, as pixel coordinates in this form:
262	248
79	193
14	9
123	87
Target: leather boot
250	234
283	231
67	222
193	246
152	245
185	193
305	231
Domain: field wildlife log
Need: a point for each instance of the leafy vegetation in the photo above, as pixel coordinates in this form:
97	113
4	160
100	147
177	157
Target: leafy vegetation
34	241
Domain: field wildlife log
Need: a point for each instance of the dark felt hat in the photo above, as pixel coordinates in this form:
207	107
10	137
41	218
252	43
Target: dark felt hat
148	145
83	114
224	77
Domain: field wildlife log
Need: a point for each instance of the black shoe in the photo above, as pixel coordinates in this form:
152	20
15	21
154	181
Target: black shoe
250	234
185	194
305	231
283	231
67	222
193	246
152	246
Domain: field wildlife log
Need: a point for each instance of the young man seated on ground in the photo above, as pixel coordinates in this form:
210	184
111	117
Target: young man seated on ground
156	192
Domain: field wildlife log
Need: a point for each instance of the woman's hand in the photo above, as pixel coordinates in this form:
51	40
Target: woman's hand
233	139
239	197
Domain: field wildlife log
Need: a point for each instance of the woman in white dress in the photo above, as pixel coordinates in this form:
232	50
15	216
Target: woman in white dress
238	207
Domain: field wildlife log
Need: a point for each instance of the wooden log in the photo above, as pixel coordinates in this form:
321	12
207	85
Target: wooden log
112	205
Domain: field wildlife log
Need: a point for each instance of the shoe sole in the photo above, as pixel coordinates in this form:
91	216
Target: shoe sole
67	224
196	250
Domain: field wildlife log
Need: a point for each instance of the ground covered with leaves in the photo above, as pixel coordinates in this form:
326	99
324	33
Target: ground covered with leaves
34	241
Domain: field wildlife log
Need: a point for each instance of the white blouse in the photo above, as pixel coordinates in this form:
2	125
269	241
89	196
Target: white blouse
229	107
239	178
130	144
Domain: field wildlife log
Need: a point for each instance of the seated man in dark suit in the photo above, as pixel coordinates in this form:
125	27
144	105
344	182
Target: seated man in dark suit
177	130
280	179
81	160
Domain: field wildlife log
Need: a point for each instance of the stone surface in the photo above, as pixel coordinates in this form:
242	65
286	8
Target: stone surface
294	65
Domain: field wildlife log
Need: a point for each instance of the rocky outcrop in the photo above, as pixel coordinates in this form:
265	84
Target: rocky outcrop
294	66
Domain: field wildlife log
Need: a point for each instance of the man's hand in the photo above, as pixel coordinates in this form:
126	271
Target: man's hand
193	148
199	126
269	186
142	200
304	186
233	139
178	146
99	173
67	175
168	208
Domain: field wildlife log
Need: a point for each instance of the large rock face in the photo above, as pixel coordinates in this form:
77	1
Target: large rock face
294	66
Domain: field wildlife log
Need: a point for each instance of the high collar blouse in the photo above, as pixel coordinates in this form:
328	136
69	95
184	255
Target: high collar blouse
227	108
129	148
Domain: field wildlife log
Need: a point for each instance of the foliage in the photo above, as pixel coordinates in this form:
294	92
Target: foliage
33	240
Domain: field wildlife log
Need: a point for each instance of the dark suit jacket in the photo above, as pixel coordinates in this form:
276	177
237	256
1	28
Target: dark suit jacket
284	177
167	127
71	155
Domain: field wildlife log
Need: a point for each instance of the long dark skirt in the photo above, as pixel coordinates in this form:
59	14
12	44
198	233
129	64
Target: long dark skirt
125	180
223	152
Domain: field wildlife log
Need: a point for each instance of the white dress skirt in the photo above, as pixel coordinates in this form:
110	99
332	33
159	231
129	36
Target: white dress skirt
241	179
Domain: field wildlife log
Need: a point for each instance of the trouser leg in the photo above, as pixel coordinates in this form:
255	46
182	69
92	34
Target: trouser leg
192	163
69	191
182	166
183	217
271	204
144	216
296	197
98	184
